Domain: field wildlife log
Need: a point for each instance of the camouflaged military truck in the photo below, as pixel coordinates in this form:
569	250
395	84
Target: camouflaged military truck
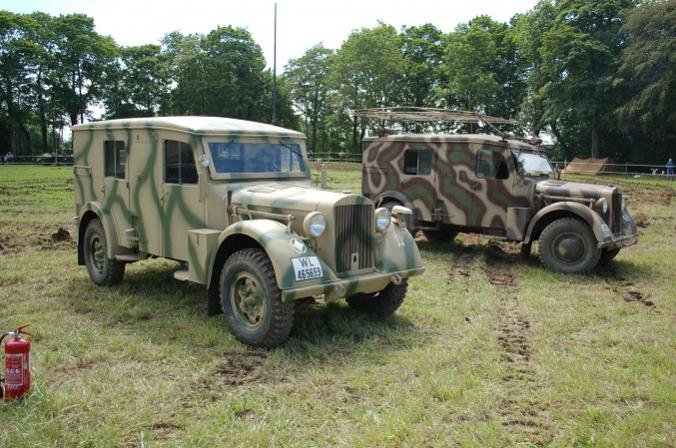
494	185
232	201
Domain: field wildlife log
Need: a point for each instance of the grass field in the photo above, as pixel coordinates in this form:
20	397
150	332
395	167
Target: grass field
487	350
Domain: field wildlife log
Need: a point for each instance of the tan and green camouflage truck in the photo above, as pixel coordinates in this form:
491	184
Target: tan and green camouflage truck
232	201
499	186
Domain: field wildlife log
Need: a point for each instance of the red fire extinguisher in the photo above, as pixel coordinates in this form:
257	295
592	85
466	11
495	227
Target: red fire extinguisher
17	379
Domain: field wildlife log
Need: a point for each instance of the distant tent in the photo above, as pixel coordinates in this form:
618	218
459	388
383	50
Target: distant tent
587	166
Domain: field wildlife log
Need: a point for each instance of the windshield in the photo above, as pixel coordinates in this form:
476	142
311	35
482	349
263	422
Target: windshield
532	164
236	157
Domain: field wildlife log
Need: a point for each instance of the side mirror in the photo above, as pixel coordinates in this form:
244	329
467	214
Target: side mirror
204	160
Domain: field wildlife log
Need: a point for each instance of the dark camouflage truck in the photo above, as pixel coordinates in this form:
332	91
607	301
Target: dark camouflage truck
497	186
232	201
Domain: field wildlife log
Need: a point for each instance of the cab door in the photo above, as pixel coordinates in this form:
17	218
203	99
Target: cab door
491	188
418	180
115	185
145	190
182	208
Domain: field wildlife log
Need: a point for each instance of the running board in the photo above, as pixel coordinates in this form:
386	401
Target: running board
129	258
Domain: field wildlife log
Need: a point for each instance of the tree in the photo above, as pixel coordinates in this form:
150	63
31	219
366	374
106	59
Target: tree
483	68
82	56
136	82
649	64
422	48
574	46
307	79
367	72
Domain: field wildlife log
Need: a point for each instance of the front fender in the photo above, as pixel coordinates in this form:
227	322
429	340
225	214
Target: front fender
598	226
396	250
276	240
398	195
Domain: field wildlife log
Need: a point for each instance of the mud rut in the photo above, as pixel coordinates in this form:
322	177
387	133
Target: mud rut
520	409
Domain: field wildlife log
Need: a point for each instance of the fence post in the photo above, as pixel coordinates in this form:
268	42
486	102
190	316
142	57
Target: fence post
322	175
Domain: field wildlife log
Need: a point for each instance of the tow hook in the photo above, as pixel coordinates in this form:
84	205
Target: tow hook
396	279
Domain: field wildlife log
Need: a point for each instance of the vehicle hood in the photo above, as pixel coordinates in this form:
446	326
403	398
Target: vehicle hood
285	198
563	189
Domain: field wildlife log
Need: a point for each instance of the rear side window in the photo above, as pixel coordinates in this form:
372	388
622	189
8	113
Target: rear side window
491	165
418	161
115	155
179	163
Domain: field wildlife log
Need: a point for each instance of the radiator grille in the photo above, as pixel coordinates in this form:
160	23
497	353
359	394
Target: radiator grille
354	231
616	213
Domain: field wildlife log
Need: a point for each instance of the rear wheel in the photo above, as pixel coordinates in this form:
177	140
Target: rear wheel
252	302
102	270
568	245
383	303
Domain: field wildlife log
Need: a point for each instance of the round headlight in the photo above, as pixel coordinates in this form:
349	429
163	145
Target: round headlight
314	224
603	205
383	219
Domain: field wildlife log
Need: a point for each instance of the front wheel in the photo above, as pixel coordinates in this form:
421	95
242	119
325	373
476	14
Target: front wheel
102	270
252	302
383	303
568	245
607	255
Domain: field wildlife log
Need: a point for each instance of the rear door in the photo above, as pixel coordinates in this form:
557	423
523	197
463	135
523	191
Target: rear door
115	185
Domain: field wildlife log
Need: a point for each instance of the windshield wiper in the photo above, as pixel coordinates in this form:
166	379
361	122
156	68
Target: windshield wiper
297	152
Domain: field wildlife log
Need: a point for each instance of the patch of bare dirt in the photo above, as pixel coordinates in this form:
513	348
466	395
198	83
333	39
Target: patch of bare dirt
237	368
164	430
517	410
627	290
642	221
10	244
640	192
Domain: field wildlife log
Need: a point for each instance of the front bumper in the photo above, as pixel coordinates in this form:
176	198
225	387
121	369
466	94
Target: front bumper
367	283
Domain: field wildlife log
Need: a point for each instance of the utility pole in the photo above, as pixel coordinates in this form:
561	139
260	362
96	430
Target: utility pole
274	72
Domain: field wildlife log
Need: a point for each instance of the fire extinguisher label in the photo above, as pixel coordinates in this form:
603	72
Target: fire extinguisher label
14	373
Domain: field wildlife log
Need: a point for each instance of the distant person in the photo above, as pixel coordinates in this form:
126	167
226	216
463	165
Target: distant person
9	157
670	169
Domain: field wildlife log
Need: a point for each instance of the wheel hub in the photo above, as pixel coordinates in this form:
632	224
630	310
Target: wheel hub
248	299
98	253
569	248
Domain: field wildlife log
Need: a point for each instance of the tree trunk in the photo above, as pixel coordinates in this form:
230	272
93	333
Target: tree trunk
594	139
354	134
566	150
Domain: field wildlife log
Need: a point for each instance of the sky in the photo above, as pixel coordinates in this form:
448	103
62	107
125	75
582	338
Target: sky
301	24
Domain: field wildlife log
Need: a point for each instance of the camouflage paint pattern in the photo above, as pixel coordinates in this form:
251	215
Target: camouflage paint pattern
143	215
453	194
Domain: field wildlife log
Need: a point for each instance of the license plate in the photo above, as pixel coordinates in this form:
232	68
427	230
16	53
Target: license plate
307	268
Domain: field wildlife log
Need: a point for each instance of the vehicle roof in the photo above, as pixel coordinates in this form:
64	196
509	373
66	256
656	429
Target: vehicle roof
194	125
452	138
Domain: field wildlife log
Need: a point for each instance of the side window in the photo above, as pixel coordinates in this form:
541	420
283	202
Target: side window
115	155
179	163
418	161
491	165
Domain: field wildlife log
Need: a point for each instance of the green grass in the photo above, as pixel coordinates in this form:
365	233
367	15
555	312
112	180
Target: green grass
487	350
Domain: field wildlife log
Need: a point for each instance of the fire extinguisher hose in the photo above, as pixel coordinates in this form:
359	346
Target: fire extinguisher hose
2	380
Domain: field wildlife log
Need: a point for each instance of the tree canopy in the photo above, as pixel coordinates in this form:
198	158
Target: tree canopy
598	76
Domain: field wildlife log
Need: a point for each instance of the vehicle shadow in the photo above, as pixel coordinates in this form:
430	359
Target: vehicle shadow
150	296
